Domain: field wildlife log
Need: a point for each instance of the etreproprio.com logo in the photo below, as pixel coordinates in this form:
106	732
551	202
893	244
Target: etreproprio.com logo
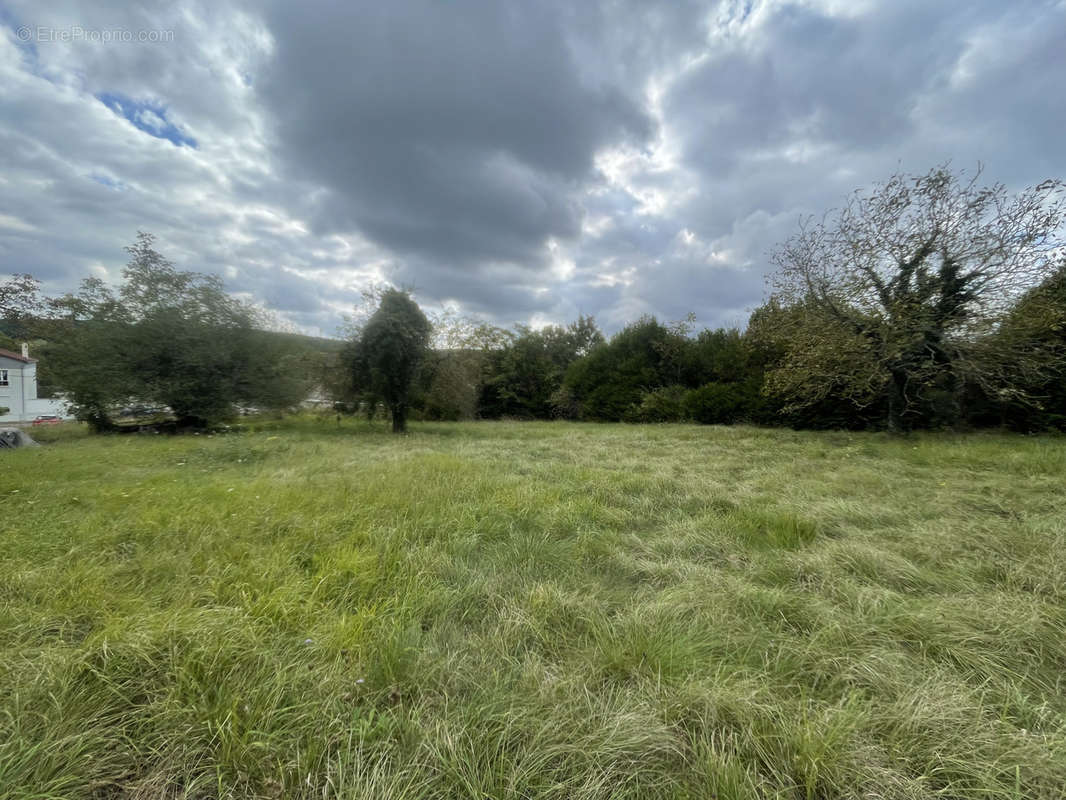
39	34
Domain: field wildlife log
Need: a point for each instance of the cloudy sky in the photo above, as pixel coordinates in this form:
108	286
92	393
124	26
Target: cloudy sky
524	161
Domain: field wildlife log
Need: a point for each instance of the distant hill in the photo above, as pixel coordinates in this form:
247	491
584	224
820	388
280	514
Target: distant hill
18	330
301	341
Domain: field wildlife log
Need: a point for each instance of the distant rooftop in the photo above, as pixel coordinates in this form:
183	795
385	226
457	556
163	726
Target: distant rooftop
16	356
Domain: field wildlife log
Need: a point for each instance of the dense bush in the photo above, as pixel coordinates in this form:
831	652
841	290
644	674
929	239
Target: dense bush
1038	320
523	375
662	405
722	403
609	383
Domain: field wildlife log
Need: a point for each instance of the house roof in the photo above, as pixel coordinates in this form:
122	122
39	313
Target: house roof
15	356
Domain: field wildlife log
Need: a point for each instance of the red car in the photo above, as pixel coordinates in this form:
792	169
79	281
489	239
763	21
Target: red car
47	419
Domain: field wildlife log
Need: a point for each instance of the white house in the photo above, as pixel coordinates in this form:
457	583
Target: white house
18	389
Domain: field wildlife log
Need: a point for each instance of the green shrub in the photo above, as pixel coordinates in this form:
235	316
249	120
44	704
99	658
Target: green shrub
722	403
662	405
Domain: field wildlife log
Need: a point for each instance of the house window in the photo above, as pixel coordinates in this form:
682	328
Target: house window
3	377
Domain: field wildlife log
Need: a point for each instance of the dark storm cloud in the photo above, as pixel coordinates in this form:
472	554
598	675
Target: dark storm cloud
809	75
457	131
527	161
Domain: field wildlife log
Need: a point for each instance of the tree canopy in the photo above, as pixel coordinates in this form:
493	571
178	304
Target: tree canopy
19	300
167	338
526	374
386	354
896	296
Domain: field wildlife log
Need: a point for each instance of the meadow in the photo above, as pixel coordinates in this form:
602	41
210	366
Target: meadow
533	610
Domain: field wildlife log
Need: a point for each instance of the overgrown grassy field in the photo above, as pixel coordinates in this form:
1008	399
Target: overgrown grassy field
498	610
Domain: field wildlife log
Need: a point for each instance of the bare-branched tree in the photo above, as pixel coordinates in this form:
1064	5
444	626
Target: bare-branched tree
897	296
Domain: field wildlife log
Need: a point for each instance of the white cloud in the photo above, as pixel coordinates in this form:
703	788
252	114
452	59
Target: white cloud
612	159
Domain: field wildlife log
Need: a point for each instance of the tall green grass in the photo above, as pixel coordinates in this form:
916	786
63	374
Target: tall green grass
499	610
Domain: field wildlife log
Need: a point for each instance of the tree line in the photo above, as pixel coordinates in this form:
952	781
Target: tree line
927	301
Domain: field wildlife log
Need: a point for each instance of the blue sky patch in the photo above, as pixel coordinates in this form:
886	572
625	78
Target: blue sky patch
147	116
104	180
23	37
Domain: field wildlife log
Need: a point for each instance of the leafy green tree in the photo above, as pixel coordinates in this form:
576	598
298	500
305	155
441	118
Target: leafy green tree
87	352
892	297
7	342
1037	323
675	349
388	352
608	384
527	372
167	338
722	355
19	296
727	372
459	365
833	407
20	300
643	372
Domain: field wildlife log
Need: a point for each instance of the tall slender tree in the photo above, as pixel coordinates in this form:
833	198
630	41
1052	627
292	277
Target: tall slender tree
385	356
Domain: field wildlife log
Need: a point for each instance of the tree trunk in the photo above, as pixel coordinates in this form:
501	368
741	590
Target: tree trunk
896	402
956	413
399	419
191	422
99	422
